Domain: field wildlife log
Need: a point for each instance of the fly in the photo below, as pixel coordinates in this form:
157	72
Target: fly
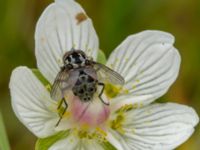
82	76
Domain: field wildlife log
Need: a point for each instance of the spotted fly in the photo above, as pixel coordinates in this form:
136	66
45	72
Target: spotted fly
81	75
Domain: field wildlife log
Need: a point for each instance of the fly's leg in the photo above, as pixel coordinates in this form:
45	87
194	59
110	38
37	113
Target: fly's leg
65	108
61	103
63	100
100	94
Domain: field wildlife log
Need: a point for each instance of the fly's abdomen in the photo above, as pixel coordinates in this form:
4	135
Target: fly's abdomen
85	87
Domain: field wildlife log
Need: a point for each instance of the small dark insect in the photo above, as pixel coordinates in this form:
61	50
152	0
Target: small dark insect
82	76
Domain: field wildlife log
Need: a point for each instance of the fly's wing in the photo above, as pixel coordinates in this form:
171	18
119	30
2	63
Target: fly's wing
108	75
60	84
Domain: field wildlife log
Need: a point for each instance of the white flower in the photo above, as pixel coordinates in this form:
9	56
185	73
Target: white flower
149	64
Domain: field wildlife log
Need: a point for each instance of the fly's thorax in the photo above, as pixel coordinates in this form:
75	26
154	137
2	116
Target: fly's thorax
85	87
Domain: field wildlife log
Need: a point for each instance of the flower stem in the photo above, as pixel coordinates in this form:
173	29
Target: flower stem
4	144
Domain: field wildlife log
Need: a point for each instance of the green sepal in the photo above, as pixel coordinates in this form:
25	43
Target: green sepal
39	75
46	143
42	79
101	58
108	146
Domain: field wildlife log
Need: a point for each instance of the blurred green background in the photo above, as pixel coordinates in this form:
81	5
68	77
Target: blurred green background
113	20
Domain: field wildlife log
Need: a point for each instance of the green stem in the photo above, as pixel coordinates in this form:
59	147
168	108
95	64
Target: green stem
4	144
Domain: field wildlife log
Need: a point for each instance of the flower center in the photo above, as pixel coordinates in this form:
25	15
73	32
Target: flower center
90	119
91	114
87	119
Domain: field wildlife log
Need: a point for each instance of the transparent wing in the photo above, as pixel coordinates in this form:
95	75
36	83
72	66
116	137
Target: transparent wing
106	74
60	85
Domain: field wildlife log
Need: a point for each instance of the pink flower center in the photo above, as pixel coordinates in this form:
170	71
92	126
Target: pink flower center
93	113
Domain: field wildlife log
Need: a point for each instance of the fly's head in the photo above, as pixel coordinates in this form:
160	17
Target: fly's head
75	59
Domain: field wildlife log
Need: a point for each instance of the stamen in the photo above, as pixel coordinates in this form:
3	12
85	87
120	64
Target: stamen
86	133
112	91
125	108
134	87
118	122
137	80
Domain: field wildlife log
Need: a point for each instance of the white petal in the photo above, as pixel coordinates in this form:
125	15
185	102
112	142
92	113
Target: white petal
148	62
156	127
115	141
74	143
58	31
31	103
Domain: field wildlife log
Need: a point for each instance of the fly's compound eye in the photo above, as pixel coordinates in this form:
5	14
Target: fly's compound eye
67	60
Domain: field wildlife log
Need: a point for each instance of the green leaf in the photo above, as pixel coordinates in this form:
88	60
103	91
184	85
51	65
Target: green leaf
101	58
4	144
46	143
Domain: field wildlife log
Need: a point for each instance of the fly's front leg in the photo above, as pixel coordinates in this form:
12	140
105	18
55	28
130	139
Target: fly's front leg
65	108
59	106
100	94
63	99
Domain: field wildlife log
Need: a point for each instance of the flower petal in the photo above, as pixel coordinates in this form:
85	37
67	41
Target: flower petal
148	62
62	26
31	102
74	143
157	126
